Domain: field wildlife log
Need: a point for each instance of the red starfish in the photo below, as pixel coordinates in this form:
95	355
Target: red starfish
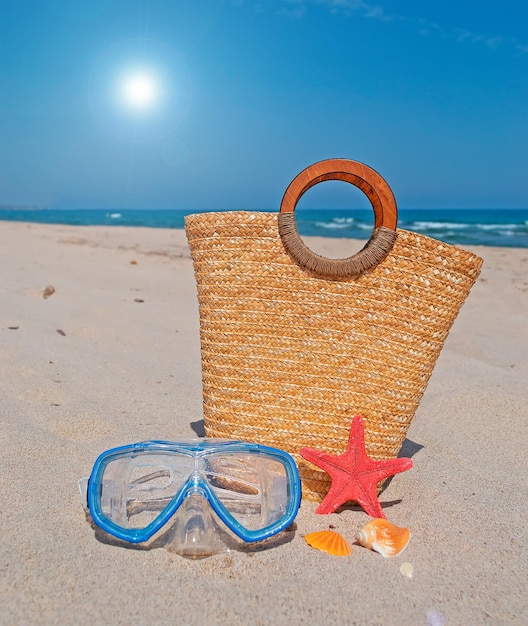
354	475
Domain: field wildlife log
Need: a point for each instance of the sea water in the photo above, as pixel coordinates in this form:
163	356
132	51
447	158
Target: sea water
487	227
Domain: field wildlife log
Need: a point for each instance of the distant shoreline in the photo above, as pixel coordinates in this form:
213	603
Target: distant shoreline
488	227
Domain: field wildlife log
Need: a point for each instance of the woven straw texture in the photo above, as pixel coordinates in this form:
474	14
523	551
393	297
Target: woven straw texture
288	357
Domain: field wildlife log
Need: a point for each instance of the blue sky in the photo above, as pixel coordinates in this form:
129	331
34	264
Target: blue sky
218	104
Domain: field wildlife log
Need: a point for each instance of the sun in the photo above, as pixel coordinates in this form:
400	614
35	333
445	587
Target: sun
140	90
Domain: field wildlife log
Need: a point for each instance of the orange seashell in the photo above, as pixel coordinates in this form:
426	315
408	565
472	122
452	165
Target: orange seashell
383	537
328	541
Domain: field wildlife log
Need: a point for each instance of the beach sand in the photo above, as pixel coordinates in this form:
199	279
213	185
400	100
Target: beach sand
113	357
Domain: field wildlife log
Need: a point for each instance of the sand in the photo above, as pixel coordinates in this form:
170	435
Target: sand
113	357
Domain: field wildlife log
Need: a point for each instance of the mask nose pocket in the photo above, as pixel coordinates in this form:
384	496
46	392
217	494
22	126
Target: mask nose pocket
194	531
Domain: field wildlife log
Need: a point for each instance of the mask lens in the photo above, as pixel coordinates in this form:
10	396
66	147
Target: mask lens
135	490
253	488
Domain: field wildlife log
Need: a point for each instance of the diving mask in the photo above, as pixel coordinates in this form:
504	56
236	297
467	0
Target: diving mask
134	491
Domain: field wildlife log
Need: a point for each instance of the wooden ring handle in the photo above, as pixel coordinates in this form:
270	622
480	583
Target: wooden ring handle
385	218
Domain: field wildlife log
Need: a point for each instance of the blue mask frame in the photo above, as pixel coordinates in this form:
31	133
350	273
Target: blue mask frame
194	484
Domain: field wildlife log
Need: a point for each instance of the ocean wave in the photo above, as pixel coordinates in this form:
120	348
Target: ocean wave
462	226
331	225
478	230
438	226
338	223
511	227
422	226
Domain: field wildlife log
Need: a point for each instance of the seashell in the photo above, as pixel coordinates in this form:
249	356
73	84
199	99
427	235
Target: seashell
328	541
48	291
383	537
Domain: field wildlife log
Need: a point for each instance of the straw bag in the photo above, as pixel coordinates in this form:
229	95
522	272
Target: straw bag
294	345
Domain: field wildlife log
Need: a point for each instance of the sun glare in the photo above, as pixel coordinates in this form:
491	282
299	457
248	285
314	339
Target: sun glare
140	90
